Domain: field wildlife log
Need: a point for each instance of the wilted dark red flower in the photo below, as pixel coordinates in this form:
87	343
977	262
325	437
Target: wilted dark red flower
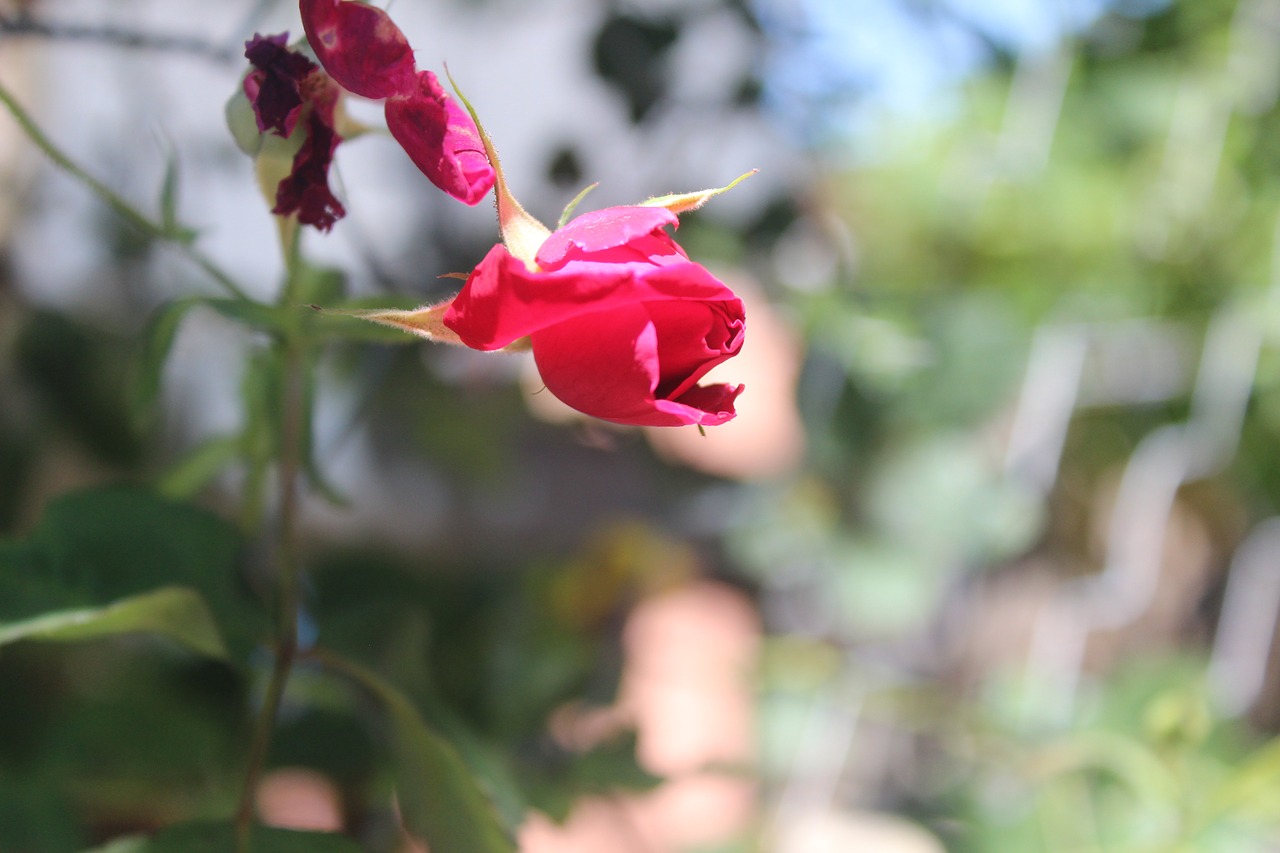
282	84
306	190
274	86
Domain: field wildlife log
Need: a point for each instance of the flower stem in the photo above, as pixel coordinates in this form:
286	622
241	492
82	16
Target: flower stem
292	422
113	200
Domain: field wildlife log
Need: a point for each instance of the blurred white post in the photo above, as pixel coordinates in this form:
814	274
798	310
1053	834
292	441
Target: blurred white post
1246	626
1048	398
1166	459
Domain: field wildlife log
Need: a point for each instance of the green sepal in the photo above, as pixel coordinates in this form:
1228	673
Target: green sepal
685	202
573	204
522	234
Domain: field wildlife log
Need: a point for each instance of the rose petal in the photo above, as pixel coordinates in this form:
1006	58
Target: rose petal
705	405
601	230
573	357
441	139
693	337
359	46
503	300
608	365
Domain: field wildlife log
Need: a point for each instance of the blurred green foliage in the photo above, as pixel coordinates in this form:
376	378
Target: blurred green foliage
1127	174
1130	173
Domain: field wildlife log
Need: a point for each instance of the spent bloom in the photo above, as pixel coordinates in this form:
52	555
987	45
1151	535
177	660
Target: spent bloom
361	52
282	88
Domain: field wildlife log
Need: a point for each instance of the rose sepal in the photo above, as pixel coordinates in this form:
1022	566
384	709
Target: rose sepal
686	202
522	233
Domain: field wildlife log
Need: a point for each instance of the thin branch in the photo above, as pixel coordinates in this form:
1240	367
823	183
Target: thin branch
293	424
23	24
113	199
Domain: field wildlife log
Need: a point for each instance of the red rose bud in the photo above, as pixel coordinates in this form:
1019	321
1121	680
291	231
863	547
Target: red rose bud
621	323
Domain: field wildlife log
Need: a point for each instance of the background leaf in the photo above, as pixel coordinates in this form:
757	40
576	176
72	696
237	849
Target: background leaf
174	612
157	341
94	548
209	837
439	799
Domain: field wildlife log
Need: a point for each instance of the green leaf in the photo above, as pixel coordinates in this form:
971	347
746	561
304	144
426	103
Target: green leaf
440	801
80	378
157	341
175	612
219	837
95	548
173	229
169	194
163	327
255	315
612	766
34	807
1253	781
195	470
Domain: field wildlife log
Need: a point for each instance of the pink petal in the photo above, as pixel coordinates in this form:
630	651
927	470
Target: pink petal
706	405
441	139
693	337
359	46
601	230
609	365
503	300
605	367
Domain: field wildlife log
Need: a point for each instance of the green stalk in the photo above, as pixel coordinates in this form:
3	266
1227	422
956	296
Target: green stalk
113	200
290	348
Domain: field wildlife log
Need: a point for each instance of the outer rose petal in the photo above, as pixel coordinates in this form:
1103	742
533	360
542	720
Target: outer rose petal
441	139
503	300
609	366
601	230
359	46
462	141
693	337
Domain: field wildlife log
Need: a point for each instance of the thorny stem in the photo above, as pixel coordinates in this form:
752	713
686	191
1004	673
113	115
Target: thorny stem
290	348
113	200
